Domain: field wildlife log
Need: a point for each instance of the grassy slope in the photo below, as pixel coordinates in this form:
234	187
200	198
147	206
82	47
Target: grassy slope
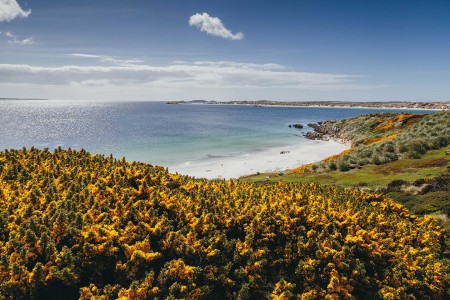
384	137
432	164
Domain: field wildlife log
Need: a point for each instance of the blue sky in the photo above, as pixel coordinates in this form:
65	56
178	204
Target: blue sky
225	50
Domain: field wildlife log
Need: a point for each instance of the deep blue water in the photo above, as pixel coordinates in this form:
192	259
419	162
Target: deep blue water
156	132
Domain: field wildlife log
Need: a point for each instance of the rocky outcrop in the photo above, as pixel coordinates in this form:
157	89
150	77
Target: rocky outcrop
298	126
315	135
314	125
323	131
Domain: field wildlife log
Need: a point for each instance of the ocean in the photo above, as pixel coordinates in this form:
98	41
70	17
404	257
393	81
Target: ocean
159	133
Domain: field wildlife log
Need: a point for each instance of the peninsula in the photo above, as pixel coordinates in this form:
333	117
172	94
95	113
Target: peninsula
441	105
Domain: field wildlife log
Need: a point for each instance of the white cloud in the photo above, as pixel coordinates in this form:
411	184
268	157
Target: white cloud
107	59
180	75
213	26
244	66
10	9
13	40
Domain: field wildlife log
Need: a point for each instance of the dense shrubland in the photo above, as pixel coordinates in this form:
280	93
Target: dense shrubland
77	225
430	195
380	138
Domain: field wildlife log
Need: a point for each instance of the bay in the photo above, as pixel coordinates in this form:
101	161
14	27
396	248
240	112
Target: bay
158	133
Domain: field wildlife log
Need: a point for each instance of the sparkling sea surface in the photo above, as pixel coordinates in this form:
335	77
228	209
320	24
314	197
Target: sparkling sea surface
156	132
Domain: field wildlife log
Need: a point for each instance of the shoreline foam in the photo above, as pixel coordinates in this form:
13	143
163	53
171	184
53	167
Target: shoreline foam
270	160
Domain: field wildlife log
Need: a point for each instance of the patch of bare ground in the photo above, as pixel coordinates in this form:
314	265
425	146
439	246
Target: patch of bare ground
390	169
437	162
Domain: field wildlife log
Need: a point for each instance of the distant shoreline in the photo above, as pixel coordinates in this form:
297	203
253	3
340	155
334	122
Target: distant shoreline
21	99
444	105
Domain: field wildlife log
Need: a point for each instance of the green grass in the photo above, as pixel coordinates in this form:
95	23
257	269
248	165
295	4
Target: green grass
421	204
432	164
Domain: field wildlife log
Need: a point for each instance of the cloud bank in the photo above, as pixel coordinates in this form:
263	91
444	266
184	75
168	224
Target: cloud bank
182	75
102	77
213	26
10	9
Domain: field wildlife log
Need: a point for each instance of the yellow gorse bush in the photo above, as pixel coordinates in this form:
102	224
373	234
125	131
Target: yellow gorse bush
333	157
380	139
385	125
76	225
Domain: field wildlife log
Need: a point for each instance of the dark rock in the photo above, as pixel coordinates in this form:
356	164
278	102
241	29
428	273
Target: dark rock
314	135
298	126
313	125
323	130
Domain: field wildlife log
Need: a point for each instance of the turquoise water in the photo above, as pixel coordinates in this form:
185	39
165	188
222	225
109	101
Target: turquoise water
155	132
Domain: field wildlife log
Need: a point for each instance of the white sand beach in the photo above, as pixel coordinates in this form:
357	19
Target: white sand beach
271	160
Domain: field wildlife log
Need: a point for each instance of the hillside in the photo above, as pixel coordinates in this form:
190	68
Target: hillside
406	157
77	225
380	138
386	147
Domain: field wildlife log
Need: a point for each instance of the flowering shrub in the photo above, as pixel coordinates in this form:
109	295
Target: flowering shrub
76	225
